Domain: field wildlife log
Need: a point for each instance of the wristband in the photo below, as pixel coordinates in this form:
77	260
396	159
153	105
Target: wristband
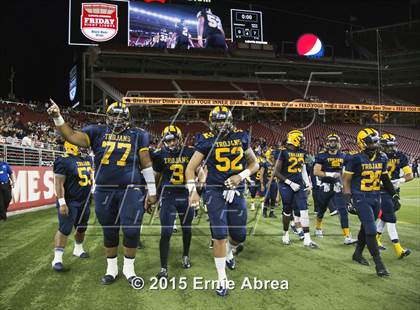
401	180
58	121
191	186
287	181
245	174
149	177
330	174
61	201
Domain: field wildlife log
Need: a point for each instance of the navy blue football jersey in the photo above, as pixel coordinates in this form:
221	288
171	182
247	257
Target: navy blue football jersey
212	23
396	162
268	171
172	166
79	176
117	160
330	163
225	156
292	164
366	173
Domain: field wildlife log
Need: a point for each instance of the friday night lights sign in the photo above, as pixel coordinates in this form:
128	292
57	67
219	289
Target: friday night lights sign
98	21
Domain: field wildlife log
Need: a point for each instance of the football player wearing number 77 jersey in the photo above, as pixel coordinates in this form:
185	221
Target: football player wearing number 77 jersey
362	176
294	182
119	150
230	160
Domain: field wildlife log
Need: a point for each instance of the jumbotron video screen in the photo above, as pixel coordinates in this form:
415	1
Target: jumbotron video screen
191	154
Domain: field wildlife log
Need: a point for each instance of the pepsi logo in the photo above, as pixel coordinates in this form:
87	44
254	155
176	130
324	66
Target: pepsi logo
310	45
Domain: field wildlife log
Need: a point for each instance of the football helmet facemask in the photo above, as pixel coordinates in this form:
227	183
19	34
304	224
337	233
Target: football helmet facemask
389	143
172	138
221	121
368	140
118	117
333	142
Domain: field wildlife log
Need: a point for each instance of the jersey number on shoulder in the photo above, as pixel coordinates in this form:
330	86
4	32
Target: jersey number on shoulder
226	164
295	164
177	174
370	180
212	21
110	147
85	175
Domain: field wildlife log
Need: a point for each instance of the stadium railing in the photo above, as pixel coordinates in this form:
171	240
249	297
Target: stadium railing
24	156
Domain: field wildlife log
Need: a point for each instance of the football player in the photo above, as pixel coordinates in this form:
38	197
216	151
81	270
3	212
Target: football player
255	181
328	168
163	39
73	177
182	36
397	161
210	28
119	151
293	184
269	186
169	163
362	176
230	160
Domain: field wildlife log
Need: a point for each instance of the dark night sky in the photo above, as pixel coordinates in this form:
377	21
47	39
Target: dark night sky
34	34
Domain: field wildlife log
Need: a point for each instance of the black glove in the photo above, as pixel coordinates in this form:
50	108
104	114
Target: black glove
396	201
349	204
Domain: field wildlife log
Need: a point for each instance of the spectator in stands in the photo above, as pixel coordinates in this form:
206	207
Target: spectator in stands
13	140
27	141
7	182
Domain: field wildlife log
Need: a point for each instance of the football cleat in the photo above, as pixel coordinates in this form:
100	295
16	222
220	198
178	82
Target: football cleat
404	253
311	245
335	212
211	243
186	263
220	291
231	264
381	247
286	240
349	241
163	273
252	207
58	267
264	212
272	215
239	248
381	271
319	233
293	228
107	279
360	259
82	255
301	235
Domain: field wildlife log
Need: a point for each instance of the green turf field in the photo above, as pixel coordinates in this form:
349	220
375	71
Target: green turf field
325	278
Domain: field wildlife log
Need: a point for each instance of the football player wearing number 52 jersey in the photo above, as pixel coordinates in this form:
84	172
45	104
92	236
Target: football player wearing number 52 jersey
230	159
362	176
119	151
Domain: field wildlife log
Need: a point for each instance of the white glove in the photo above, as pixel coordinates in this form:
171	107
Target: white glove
334	175
294	186
229	195
308	187
229	184
398	182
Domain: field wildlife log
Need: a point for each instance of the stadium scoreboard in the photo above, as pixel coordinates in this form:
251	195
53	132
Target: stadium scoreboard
247	26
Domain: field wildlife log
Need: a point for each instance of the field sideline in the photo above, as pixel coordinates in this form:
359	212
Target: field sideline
325	278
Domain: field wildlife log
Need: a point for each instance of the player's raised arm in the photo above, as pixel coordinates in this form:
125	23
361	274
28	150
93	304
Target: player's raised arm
73	136
200	29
